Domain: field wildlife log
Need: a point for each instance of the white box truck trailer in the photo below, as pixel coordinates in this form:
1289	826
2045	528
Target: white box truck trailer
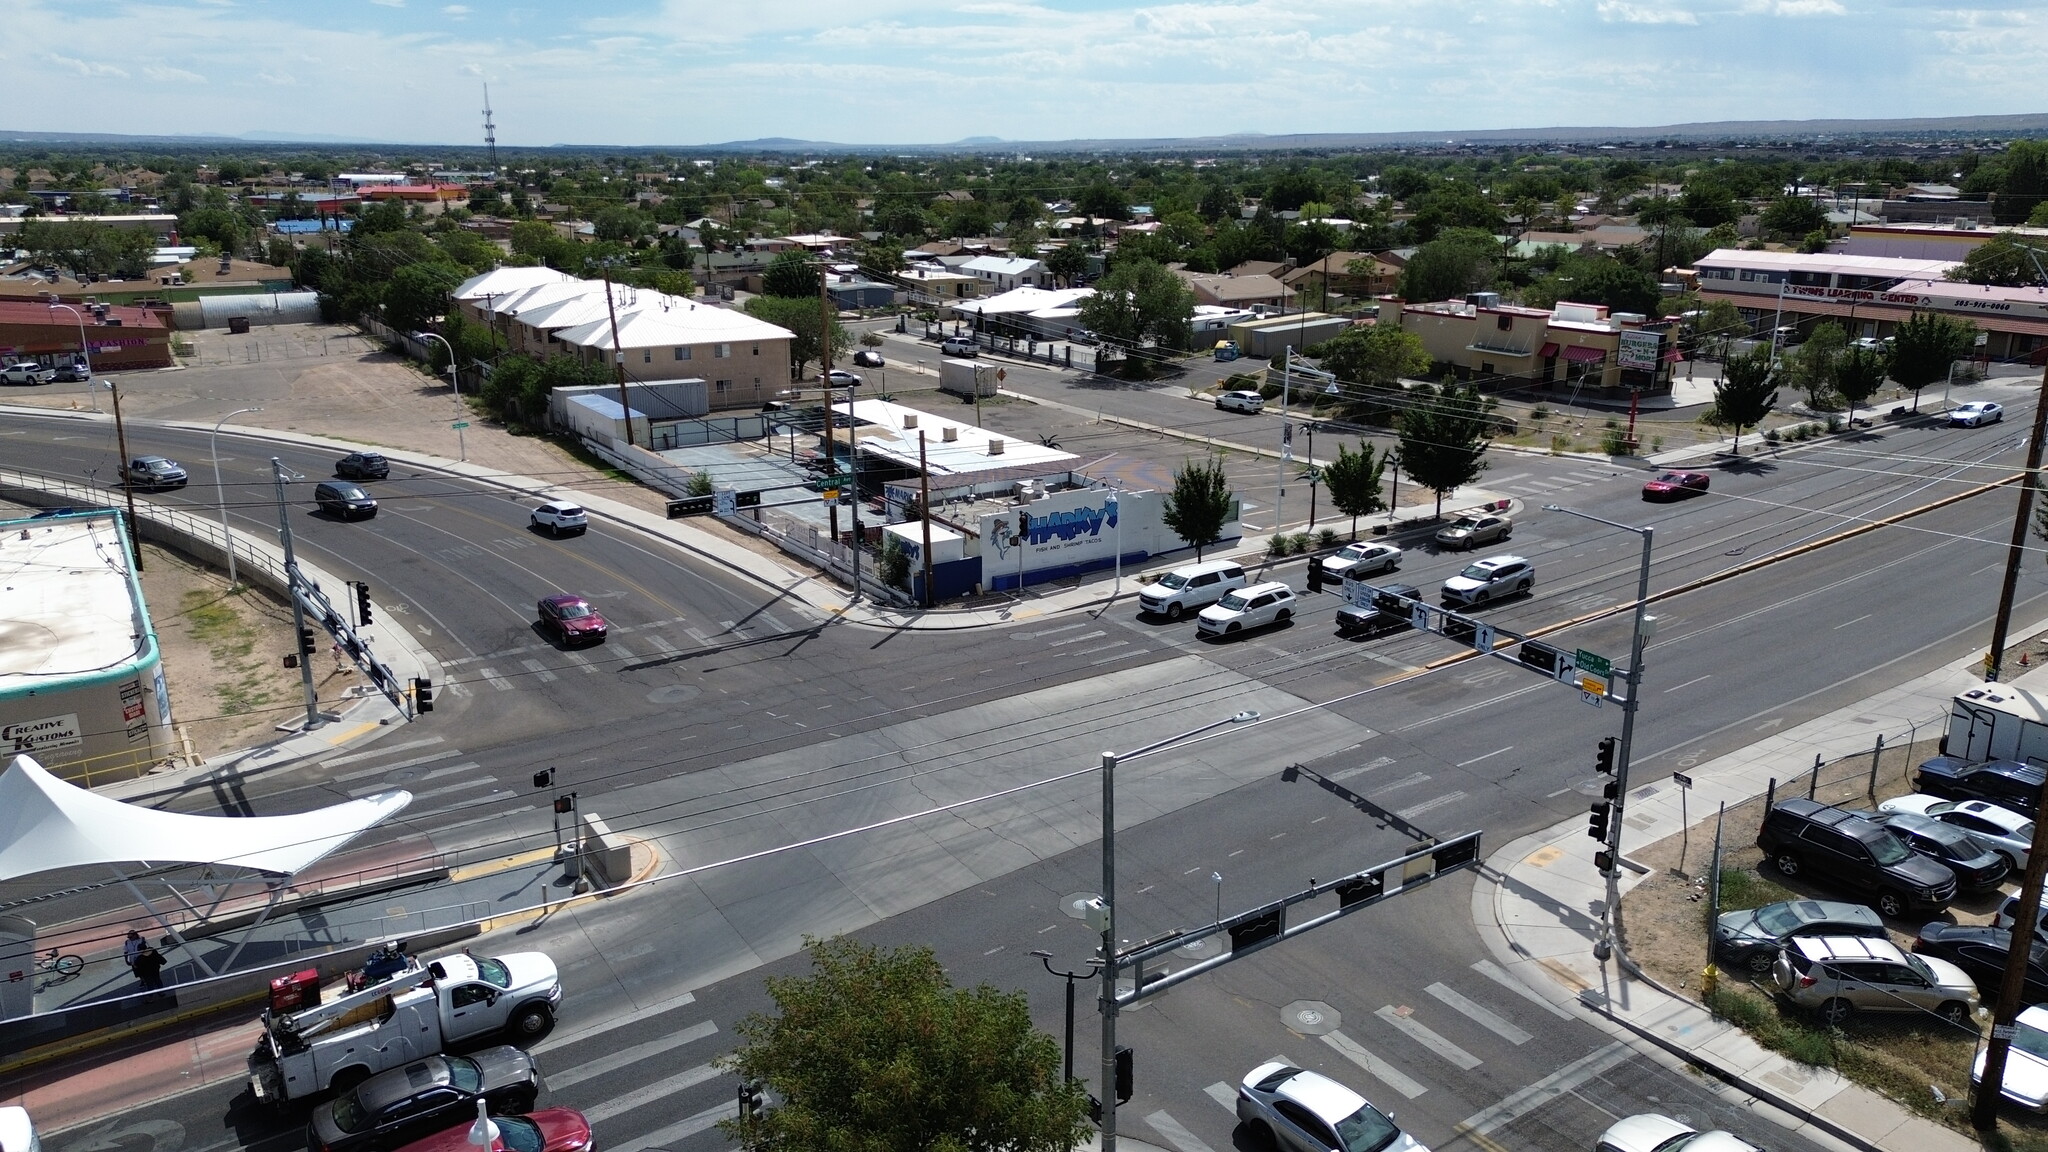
1998	722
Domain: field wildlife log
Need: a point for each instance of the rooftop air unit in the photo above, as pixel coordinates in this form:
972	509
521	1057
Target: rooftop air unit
949	434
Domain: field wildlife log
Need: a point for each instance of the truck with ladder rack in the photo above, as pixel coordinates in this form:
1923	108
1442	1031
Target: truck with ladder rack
415	1011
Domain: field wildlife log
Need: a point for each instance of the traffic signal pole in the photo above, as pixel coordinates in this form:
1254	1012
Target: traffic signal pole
291	567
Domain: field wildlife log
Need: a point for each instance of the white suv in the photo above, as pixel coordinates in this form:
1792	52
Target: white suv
959	346
1191	586
559	516
1241	401
1253	607
1492	578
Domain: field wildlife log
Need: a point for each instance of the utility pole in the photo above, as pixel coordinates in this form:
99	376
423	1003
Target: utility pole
924	482
618	354
1993	664
292	579
853	480
127	485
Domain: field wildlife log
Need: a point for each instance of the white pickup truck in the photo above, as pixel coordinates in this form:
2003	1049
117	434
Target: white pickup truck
419	1011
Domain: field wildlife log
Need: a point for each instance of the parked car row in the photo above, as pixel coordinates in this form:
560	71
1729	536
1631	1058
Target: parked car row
431	1104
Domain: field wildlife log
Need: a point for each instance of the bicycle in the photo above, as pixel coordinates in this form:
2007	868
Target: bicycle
62	968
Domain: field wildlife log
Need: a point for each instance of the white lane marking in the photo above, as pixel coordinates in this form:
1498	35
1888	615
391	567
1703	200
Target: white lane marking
613	647
1362	769
1862	618
1175	1135
381	769
681	1129
500	814
1222	1093
1486	1017
1690	683
436	773
774	624
1414	810
1545	1090
1510	478
1488	756
539	670
1389	1075
564	1039
660	645
1499	975
580	660
497	681
384	750
1403	782
648	1094
1095	635
1428	1037
446	789
627	1057
458	688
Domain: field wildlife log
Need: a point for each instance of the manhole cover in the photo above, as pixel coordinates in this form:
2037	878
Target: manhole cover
1202	949
673	694
1591	785
1075	904
1311	1017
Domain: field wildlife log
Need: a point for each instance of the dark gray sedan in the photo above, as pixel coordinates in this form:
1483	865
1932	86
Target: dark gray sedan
403	1104
1751	937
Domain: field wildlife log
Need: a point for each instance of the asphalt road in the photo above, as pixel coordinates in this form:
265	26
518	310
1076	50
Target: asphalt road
1479	744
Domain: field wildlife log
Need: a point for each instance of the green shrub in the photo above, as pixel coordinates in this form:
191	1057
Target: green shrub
1327	538
1277	546
699	485
1559	443
1614	440
1540	412
1771	436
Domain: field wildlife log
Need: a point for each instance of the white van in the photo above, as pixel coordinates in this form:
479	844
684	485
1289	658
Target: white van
17	1133
1191	587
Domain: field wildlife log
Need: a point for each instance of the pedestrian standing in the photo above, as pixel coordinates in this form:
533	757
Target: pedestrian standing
149	969
133	948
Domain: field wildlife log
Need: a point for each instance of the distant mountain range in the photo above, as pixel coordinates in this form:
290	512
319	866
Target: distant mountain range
2026	124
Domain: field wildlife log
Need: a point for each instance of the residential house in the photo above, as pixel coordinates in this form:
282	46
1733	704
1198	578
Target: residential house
1006	272
1358	275
1237	291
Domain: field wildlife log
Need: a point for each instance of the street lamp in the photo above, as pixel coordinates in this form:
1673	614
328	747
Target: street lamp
227	538
1102	913
1287	371
451	359
1644	627
85	350
1094	966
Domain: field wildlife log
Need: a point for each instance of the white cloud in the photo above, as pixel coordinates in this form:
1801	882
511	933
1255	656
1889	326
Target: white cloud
164	75
86	67
458	11
389	3
1620	12
1797	7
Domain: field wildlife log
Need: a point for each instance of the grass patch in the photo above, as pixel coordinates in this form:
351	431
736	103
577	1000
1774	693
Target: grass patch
216	622
592	460
1742	888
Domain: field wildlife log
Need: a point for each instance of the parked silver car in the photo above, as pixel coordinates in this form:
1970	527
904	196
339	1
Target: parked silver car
1472	531
1839	976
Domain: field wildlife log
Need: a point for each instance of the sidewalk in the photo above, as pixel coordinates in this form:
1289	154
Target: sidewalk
1538	901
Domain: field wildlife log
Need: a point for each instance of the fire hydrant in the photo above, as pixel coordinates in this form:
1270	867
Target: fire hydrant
1710	979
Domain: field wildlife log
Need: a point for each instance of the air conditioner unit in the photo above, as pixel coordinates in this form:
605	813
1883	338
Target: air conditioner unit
949	434
995	446
1025	491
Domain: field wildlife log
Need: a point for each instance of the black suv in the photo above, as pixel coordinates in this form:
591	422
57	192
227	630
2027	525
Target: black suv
1388	612
362	466
2008	783
1802	836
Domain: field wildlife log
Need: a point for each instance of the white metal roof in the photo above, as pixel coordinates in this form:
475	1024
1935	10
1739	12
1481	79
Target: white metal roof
500	281
1830	263
1002	265
47	824
680	322
890	431
67	605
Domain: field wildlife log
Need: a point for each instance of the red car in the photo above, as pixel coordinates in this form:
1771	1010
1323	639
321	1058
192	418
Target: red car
1675	486
548	1130
572	620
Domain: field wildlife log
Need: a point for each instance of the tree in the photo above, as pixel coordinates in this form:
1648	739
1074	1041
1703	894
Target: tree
1746	391
877	1051
1449	266
1811	366
1353	479
1101	199
804	320
1374	358
1858	374
1790	216
1720	323
2007	260
2023	180
791	276
1923	348
1444	433
1200	503
417	293
1140	300
1067	262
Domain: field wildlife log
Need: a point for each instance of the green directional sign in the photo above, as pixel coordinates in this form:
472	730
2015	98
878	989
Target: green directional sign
460	424
1593	662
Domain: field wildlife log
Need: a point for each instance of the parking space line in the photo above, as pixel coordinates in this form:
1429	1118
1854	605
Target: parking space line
627	1057
1485	1017
1387	1074
1545	1090
1498	975
1428	1037
1176	1135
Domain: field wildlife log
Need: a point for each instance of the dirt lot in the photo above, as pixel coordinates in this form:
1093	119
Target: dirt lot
1922	1064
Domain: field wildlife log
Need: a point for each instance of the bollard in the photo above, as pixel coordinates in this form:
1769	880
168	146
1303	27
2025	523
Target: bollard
1813	781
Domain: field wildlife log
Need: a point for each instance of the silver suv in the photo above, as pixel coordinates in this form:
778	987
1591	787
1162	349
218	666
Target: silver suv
1839	976
1494	578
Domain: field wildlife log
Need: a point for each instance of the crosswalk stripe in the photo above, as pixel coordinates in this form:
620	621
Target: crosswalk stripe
1484	1016
627	1057
681	1129
458	688
446	789
497	681
1414	810
661	645
1222	1093
1429	1038
648	1094
1175	1134
620	650
697	634
498	814
539	670
559	1039
1348	773
381	769
580	660
1545	1090
1389	1075
1498	975
438	772
383	750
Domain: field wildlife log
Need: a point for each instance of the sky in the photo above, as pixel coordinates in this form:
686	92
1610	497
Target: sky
654	72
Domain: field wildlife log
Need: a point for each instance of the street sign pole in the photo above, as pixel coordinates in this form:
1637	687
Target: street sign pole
461	444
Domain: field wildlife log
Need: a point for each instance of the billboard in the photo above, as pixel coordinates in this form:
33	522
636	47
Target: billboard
1639	349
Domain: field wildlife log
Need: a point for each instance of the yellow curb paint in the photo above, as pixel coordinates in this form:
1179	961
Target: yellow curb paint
341	738
96	1038
501	864
1543	857
1566	976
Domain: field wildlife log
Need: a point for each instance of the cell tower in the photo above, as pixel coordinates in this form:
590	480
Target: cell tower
490	129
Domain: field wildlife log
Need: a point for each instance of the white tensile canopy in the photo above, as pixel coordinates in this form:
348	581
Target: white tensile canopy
48	824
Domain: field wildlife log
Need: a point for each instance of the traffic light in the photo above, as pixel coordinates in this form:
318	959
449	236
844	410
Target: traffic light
565	803
751	1100
1596	826
422	694
1603	761
1603	862
362	603
1315	575
1124	1077
306	642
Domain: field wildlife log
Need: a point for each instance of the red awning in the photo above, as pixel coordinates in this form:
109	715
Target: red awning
1671	356
1549	350
1580	355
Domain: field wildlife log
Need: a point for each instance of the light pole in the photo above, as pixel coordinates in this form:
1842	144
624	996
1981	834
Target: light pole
1094	966
1117	529
220	497
85	350
451	359
280	474
1105	913
1604	946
